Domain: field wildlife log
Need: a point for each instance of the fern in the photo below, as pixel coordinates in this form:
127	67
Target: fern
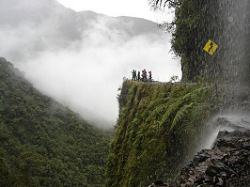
201	94
172	110
154	122
182	114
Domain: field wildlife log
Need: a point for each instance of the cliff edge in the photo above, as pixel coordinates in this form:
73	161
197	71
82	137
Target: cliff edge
158	129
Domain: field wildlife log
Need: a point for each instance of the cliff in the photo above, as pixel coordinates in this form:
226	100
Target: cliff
226	164
161	126
196	22
158	128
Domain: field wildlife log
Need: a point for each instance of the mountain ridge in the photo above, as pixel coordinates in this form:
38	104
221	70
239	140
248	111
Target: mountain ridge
42	142
48	42
67	23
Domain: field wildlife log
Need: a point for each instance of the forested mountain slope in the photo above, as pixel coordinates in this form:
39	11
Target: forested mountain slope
42	142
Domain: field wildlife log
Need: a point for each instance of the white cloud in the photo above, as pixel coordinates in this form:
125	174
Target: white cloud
138	8
85	74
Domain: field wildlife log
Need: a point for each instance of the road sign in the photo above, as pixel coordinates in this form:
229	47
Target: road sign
210	47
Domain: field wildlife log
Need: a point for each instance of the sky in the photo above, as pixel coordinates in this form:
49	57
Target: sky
133	8
79	61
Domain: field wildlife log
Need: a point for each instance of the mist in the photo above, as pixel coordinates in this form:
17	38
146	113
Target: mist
81	62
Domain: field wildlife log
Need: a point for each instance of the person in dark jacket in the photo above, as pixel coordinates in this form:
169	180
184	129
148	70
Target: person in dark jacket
139	76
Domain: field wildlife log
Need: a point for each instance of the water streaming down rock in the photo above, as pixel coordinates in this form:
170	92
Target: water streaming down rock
227	163
234	69
235	56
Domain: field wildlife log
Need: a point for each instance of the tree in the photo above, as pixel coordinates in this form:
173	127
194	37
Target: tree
42	142
161	4
30	165
7	177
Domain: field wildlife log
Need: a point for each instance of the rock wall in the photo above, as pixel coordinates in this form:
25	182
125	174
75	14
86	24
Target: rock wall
226	164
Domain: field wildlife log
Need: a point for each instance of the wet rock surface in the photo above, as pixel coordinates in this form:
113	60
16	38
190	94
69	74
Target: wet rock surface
226	164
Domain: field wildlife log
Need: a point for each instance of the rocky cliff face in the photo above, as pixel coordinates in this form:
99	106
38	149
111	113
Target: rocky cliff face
161	127
224	22
158	128
226	164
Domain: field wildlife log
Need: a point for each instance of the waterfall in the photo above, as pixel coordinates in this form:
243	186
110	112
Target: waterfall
234	75
235	55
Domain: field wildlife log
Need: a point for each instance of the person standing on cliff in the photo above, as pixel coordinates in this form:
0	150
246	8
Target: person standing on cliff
134	74
139	76
144	75
150	75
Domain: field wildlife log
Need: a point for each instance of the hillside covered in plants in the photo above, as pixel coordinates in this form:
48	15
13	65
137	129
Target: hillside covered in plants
44	143
159	127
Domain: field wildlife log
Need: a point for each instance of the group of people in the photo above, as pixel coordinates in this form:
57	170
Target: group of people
144	76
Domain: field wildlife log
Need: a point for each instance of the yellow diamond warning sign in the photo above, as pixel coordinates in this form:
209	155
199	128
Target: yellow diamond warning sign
210	47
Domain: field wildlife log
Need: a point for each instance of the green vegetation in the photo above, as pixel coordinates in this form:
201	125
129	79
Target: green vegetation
44	143
158	126
196	22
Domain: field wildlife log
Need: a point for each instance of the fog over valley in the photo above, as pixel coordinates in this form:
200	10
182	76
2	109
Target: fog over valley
80	58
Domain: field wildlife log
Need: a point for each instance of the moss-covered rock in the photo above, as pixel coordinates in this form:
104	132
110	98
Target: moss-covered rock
158	127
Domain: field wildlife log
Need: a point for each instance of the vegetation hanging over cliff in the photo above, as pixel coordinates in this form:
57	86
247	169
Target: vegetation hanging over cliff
224	22
196	22
42	142
158	126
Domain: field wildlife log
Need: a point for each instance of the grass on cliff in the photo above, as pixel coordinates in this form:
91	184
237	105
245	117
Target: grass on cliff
158	126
